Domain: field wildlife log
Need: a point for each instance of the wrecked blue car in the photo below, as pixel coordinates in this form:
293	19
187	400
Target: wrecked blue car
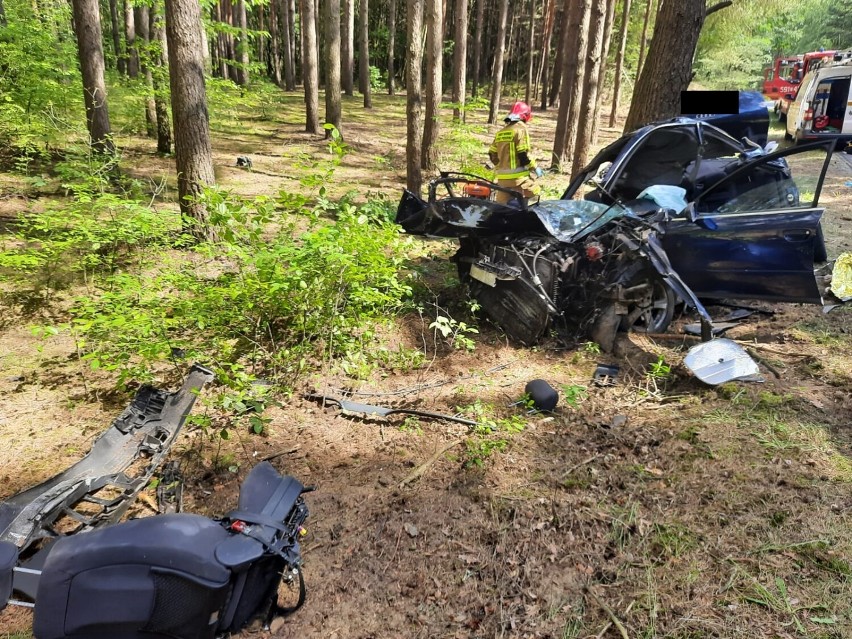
674	212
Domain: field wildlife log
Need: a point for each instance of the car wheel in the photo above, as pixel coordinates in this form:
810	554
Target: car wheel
654	310
782	117
787	136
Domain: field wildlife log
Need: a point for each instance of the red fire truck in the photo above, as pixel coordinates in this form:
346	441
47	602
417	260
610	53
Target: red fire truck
782	77
786	72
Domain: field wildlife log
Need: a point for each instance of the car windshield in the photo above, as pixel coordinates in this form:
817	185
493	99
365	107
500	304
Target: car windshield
571	220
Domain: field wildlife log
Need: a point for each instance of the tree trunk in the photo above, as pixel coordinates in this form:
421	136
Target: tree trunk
586	122
574	36
3	22
413	103
275	34
189	110
242	45
332	66
668	68
87	26
530	53
142	17
602	67
287	45
460	61
347	46
559	62
121	63
434	45
159	71
500	48
391	45
477	46
643	42
221	51
619	62
310	71
364	54
295	53
544	63
230	50
130	41
261	26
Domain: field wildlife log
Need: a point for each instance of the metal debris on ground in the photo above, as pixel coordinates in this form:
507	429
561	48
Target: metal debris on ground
368	410
721	360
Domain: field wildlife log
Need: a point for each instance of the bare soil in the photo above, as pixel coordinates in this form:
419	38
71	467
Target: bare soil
654	507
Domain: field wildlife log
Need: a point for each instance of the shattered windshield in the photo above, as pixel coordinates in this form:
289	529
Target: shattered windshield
571	220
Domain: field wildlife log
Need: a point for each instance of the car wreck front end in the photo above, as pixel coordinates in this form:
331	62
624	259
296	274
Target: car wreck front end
585	268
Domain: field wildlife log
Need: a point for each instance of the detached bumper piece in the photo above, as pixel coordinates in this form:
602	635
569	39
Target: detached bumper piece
99	489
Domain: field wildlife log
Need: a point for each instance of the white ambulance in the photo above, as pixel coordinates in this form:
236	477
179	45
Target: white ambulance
823	106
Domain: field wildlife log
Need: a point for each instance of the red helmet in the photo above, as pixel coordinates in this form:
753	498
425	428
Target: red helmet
520	111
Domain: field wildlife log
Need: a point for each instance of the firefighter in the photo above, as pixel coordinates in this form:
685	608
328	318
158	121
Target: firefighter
510	154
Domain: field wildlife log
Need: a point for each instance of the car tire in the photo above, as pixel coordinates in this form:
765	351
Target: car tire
782	117
787	136
656	317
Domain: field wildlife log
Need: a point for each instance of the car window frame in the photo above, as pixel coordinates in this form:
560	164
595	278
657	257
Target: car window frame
830	145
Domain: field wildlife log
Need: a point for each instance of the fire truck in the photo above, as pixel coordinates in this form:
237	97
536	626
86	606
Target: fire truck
781	81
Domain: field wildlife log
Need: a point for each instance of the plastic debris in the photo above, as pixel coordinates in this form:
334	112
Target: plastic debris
841	277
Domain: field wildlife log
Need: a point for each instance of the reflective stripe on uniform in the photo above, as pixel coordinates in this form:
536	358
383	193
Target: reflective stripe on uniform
509	143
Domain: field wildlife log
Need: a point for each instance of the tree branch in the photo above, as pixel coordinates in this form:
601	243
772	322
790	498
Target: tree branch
719	5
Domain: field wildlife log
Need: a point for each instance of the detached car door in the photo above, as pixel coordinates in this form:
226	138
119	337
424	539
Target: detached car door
753	234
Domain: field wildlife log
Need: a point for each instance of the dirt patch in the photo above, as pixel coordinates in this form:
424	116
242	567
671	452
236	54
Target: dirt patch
657	505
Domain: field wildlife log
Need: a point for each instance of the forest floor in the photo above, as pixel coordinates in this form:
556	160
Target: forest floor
654	507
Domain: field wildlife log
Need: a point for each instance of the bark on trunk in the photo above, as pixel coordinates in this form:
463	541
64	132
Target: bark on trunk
544	63
87	26
3	17
413	104
144	34
159	71
530	53
275	34
575	38
130	41
434	43
643	42
499	50
477	46
460	61
619	62
347	46
364	54
189	110
121	63
602	67
310	71
295	52
391	45
668	68
332	66
586	122
558	63
242	45
286	39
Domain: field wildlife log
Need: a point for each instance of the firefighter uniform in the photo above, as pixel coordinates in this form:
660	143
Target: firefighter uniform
510	154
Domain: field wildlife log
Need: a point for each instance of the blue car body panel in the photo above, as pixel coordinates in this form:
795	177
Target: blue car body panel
747	256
